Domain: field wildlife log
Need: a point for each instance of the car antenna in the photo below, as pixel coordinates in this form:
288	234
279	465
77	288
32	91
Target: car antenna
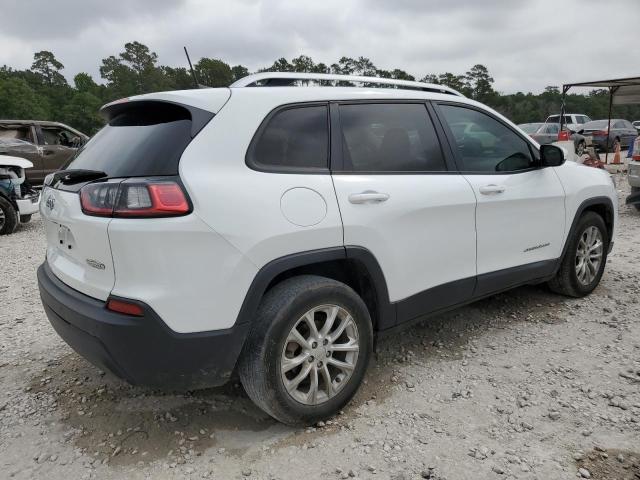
193	72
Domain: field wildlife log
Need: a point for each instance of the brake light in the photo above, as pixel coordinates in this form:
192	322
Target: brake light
635	156
134	199
564	136
124	307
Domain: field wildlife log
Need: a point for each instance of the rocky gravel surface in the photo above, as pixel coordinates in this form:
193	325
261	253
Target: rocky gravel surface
525	385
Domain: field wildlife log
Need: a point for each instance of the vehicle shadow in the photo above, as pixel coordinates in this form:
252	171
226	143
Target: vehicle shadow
120	424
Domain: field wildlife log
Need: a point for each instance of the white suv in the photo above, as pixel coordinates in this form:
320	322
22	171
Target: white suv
274	229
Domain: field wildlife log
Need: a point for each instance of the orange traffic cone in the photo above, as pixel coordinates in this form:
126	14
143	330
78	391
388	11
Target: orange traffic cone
616	157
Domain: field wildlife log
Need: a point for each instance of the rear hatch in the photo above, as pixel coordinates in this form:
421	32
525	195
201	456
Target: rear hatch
123	171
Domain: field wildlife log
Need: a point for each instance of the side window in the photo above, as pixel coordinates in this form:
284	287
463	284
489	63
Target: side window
296	138
491	146
387	137
52	136
553	128
618	125
580	119
19	133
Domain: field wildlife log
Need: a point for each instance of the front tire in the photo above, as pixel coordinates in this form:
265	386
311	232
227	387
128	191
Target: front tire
584	261
307	351
8	217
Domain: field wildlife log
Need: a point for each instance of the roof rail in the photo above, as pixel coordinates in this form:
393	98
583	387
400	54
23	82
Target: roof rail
280	79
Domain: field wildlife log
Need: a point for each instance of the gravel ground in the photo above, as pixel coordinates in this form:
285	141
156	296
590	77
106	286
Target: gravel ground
525	384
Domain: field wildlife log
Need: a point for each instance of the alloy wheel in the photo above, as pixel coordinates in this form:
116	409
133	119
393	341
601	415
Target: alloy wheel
319	354
2	219
589	255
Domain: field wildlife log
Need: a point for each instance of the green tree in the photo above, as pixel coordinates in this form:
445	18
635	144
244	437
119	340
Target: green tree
133	71
48	68
19	100
82	112
457	82
479	83
239	72
213	73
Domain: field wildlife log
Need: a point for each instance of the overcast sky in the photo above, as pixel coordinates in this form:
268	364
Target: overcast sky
526	44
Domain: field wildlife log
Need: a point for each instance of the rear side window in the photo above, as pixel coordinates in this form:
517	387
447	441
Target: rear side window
388	137
293	139
143	139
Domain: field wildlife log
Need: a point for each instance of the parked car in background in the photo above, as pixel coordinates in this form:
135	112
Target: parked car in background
548	133
636	125
573	121
622	133
530	128
48	145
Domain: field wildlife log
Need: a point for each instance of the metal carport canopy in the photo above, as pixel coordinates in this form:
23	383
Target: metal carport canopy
625	91
622	91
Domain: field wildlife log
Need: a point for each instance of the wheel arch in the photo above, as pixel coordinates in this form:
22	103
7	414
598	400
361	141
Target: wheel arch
355	266
603	206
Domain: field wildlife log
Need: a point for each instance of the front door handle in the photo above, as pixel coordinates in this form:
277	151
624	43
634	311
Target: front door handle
368	197
491	189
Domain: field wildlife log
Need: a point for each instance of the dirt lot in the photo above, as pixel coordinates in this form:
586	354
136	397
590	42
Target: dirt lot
524	385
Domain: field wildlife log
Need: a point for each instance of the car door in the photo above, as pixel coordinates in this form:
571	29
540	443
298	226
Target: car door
520	220
401	200
55	153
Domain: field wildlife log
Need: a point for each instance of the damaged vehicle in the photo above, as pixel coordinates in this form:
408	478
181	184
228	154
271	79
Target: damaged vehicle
18	200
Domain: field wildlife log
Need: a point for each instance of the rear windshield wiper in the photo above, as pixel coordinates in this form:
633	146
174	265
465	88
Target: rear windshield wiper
69	177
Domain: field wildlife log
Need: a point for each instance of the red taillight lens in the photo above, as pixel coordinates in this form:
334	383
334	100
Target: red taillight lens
124	307
564	136
139	199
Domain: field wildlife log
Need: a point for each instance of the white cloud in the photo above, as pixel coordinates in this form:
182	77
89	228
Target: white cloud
525	45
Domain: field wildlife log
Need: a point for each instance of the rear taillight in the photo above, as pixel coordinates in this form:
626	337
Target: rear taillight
600	133
564	136
636	150
134	199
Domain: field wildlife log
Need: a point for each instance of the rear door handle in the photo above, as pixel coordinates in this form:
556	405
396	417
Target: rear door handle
368	197
491	189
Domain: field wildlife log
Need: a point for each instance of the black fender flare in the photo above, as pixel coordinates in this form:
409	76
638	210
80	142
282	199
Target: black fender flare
590	202
264	277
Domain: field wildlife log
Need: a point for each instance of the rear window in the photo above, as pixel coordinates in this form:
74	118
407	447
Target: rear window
143	139
556	119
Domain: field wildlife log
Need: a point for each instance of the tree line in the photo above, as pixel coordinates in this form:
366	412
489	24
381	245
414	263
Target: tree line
43	93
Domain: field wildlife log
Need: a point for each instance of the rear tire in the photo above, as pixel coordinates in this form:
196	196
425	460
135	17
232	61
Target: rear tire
25	218
571	279
580	148
8	217
285	311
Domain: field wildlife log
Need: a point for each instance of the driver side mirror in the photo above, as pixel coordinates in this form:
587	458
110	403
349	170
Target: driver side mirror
551	156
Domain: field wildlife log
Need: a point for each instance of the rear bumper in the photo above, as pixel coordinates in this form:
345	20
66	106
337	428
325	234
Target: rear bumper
141	350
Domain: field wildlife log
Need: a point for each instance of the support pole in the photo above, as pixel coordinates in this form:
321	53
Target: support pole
565	89
606	153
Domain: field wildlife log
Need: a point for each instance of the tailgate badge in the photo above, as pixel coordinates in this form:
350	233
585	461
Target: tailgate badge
95	264
51	202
